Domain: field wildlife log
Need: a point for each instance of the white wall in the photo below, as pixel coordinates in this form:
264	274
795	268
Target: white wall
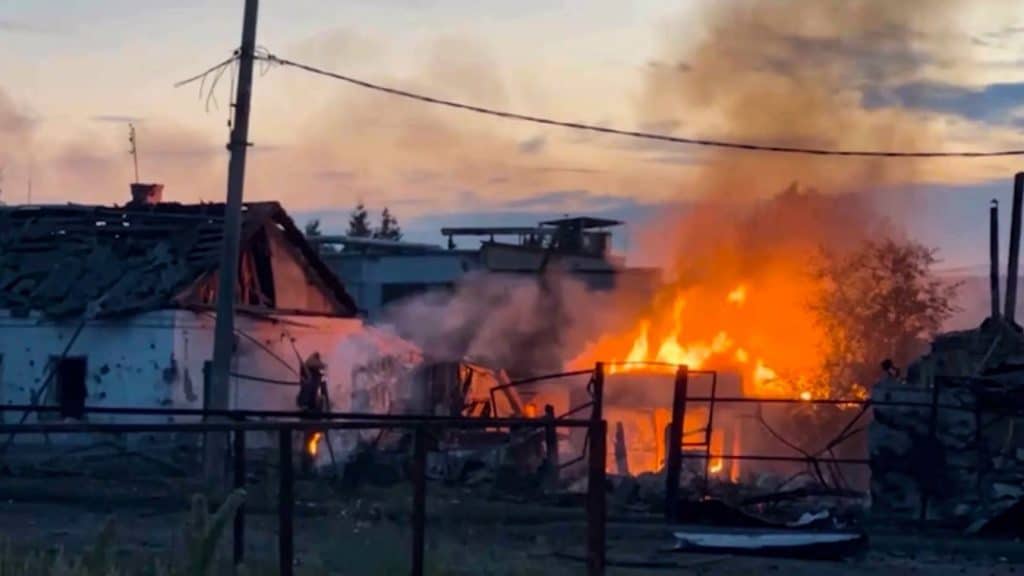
156	360
129	362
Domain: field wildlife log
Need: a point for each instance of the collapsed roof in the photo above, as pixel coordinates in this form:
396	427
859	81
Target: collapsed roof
73	260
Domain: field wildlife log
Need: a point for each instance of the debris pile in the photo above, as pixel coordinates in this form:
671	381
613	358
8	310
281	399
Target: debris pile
951	449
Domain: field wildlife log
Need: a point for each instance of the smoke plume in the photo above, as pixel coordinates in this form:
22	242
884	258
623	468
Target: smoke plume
514	323
804	73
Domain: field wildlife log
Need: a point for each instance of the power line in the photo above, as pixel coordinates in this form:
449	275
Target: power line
202	75
268	57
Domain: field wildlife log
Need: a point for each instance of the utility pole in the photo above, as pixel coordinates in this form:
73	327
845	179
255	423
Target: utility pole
134	150
224	334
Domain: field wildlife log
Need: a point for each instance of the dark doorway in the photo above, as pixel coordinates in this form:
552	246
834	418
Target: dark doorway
71	389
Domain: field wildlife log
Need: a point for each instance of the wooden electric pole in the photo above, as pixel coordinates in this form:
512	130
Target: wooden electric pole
224	335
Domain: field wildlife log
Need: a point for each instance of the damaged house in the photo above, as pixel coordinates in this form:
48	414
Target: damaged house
115	307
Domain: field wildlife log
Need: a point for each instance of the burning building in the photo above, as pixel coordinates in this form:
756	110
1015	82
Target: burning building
114	307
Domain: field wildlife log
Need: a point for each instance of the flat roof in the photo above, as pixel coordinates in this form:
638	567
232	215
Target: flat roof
583	222
544	228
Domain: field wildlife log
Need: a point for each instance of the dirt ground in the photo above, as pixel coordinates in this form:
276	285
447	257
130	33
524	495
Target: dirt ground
366	533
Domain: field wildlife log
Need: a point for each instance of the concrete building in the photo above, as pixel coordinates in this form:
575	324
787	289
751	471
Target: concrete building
378	273
115	307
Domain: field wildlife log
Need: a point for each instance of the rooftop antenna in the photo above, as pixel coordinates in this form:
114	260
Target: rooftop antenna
134	149
31	167
2	168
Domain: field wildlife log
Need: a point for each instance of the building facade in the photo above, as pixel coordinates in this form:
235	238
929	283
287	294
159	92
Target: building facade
381	273
114	307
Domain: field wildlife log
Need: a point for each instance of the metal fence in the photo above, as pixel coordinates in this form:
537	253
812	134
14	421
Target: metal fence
239	423
821	462
287	423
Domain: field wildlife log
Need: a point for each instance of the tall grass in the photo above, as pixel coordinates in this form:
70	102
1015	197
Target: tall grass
202	536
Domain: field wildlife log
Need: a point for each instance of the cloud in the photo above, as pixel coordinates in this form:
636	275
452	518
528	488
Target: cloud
16	133
993	103
679	67
666	126
533	145
566	169
336	175
808	73
13	121
558	200
117	119
683	159
17	27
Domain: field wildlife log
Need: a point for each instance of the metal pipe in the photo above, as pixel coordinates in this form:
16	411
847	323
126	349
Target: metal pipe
621	454
239	480
993	255
597	413
597	513
674	444
709	433
1010	308
419	500
185	427
285	505
933	429
550	446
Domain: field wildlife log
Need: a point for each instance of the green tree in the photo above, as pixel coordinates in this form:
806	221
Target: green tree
879	301
359	223
314	231
389	228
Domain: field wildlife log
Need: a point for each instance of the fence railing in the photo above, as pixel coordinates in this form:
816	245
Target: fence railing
241	422
287	423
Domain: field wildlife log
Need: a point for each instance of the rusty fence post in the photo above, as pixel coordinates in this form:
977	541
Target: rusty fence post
674	444
239	481
550	447
933	429
419	500
597	392
709	433
285	504
596	503
596	470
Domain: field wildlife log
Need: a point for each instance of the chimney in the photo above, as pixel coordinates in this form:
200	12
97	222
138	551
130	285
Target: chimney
993	214
146	194
1012	269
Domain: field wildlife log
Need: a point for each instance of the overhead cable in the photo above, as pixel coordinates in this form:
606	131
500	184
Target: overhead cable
735	145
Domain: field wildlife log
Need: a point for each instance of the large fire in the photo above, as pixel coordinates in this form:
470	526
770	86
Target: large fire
768	336
761	329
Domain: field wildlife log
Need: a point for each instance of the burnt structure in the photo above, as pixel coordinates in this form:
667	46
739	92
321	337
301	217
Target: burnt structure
947	443
113	307
56	260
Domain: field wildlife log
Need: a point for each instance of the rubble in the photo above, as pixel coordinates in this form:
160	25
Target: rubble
955	456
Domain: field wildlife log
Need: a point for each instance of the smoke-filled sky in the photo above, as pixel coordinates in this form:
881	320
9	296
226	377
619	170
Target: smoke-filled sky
916	74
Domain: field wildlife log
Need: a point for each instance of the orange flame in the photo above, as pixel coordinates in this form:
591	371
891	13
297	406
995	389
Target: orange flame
761	330
738	295
717	464
741	331
314	444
